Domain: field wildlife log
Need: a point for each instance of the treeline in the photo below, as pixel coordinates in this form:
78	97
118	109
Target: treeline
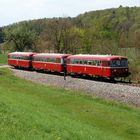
103	31
111	31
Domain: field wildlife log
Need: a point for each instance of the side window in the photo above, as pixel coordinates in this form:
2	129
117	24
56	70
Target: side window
68	61
74	61
89	62
30	58
53	60
97	62
58	60
81	62
85	62
34	58
42	59
18	57
93	62
77	61
45	59
71	61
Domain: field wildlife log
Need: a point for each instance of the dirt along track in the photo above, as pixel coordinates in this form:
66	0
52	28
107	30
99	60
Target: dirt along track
117	92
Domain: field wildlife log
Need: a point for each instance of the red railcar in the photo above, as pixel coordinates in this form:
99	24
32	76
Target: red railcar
98	65
20	59
50	62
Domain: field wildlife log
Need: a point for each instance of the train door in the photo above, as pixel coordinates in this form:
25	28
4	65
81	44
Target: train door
63	64
104	65
101	68
17	60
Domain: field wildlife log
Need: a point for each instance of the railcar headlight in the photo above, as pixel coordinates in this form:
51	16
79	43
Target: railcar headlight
126	69
115	70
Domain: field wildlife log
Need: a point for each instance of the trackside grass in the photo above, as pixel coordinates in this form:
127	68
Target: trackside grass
36	112
3	59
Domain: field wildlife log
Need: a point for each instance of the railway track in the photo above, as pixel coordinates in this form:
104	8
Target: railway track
98	79
129	84
122	92
120	82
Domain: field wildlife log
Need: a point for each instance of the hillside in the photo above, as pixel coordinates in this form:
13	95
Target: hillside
118	27
110	31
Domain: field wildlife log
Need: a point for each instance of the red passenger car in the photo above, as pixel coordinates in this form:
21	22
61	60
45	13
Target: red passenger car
98	65
20	59
50	62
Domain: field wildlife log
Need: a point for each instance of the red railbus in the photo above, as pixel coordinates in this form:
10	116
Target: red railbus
98	65
94	65
20	59
49	62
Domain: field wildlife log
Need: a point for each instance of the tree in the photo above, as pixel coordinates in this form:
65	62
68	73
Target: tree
57	32
1	36
75	40
22	37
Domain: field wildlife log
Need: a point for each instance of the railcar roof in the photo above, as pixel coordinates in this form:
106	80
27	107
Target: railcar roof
98	57
21	53
51	55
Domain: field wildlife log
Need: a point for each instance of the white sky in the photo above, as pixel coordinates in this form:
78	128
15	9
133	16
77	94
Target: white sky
12	11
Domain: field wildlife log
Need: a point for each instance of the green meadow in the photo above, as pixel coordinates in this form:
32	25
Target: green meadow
30	111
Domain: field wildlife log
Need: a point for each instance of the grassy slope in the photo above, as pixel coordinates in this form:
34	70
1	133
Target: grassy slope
3	59
31	111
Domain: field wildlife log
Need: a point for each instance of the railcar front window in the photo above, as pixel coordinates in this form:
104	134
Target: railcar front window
124	63
119	63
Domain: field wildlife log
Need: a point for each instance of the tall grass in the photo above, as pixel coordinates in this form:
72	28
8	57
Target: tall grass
3	59
133	55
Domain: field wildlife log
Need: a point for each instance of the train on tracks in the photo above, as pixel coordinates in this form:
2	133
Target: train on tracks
106	66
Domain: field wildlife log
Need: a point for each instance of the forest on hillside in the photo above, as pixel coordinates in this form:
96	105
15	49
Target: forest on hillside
110	31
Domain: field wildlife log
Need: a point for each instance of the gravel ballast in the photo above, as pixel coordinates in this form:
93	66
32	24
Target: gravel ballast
122	93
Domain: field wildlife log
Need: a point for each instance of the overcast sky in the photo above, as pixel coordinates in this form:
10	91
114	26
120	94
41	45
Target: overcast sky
12	11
